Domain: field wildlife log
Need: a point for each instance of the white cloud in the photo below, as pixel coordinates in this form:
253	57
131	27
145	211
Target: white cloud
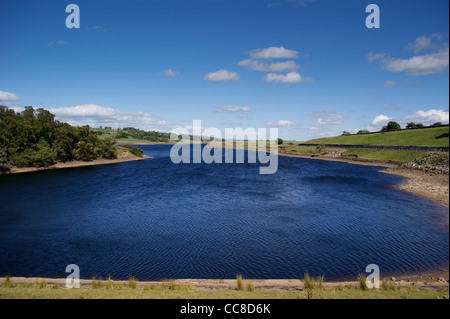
169	73
425	43
380	120
269	67
232	109
7	98
273	52
291	77
417	65
428	117
425	117
389	84
329	119
96	115
281	123
222	76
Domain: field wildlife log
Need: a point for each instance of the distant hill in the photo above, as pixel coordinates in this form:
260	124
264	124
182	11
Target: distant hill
131	134
432	136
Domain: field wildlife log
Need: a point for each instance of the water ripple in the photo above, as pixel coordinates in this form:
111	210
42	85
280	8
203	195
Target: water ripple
153	219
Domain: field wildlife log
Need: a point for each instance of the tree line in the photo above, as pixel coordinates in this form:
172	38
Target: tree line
34	138
394	126
151	136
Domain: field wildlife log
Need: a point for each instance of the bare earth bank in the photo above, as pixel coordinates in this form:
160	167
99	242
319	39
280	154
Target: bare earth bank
126	156
421	283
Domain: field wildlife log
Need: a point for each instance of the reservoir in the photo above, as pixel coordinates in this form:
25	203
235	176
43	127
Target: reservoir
154	219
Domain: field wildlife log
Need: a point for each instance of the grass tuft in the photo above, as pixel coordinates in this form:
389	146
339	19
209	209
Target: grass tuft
43	284
97	283
109	284
388	285
250	287
240	282
132	283
362	282
311	283
8	283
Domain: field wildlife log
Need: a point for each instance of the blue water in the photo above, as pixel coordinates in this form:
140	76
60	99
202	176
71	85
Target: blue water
154	219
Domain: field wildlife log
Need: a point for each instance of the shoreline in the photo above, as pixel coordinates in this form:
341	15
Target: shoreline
419	282
127	157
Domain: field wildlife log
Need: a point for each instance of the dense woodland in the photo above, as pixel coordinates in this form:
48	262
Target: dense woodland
35	138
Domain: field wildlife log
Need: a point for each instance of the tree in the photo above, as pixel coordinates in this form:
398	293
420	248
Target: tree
279	141
437	124
411	125
363	131
345	133
34	138
3	160
391	126
420	125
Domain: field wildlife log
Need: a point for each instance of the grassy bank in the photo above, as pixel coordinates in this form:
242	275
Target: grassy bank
126	293
433	136
383	155
308	288
366	154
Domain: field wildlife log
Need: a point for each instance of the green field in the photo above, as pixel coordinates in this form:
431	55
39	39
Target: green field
368	154
384	155
433	136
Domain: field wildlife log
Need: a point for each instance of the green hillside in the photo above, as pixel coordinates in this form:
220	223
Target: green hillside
433	136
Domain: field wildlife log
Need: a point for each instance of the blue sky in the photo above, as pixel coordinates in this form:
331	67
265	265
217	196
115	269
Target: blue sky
309	67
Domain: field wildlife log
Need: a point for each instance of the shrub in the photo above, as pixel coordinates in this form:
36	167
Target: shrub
134	150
